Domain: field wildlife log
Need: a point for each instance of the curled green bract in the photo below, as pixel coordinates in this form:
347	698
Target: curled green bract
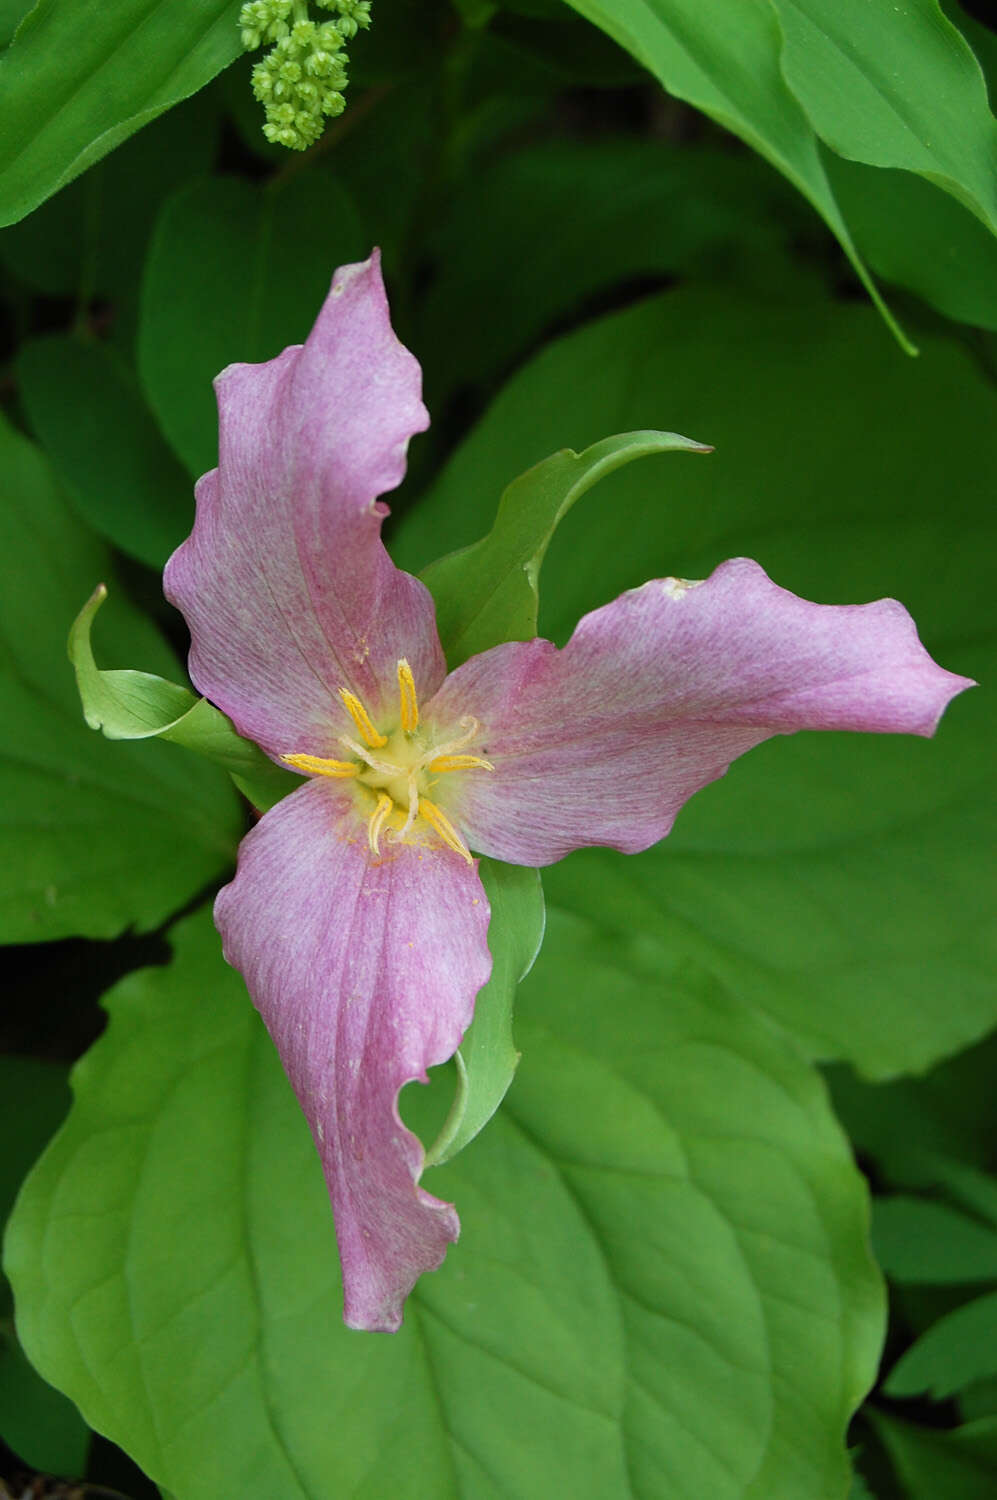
300	80
127	705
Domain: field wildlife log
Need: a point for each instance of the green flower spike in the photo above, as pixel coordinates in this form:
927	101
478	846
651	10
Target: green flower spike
300	81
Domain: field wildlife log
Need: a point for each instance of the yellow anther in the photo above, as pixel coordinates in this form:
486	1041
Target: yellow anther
320	767
459	763
441	825
378	818
362	720
406	691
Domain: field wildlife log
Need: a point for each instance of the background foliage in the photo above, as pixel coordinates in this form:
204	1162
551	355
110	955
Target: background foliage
616	216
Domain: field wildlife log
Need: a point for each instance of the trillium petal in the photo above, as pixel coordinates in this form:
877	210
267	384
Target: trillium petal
286	587
365	972
653	697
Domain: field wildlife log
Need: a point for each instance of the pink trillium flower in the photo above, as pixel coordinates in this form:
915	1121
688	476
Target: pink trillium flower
357	915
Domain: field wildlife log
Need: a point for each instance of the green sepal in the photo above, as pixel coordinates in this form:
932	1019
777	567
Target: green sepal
488	593
487	1057
127	705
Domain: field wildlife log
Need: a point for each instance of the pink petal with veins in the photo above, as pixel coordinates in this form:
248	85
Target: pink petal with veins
654	696
365	972
285	584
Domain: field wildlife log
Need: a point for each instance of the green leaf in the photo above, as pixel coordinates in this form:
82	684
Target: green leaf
726	213
235	272
959	1465
895	86
127	705
77	80
914	234
724	60
666	1168
922	1132
36	1422
487	593
90	239
86	408
487	1058
11	14
840	883
94	837
928	1243
958	1350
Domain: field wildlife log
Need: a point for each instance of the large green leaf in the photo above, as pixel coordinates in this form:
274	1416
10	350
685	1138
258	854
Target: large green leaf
895	86
840	883
576	220
235	272
90	239
86	408
488	593
662	1287
916	235
77	80
724	59
94	837
37	1422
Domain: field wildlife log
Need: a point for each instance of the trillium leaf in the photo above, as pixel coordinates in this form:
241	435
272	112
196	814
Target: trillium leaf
958	1350
77	80
94	838
895	87
127	705
615	1320
487	1058
487	593
839	883
725	61
197	317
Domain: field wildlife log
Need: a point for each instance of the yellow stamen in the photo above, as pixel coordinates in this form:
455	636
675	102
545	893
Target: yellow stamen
441	824
378	817
362	720
406	691
459	763
321	767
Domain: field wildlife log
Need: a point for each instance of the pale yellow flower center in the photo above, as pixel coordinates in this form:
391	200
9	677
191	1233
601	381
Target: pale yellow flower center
392	771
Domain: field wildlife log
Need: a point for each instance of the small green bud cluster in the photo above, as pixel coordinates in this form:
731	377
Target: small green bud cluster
300	81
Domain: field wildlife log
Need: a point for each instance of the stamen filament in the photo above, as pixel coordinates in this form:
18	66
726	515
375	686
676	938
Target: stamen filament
386	767
320	767
409	701
470	727
362	720
413	803
459	763
377	820
441	825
